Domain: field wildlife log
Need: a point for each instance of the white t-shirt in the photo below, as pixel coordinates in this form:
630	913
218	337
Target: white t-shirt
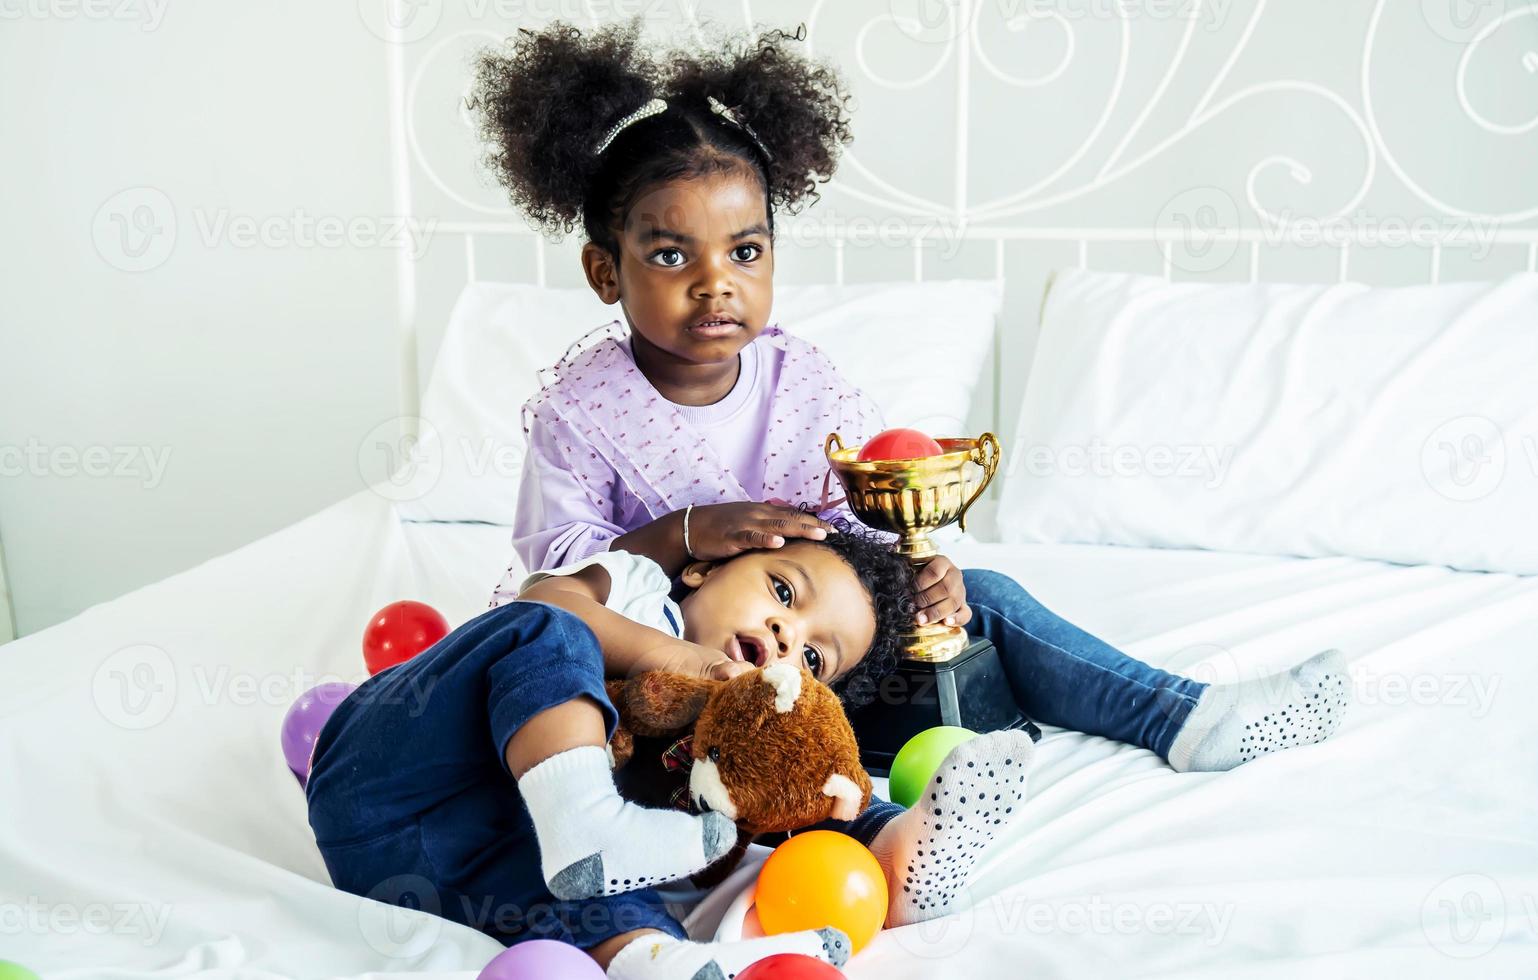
638	589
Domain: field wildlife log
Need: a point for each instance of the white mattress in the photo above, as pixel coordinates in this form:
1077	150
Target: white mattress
150	828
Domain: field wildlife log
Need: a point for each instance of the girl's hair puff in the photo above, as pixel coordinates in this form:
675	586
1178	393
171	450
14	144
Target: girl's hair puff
547	98
544	100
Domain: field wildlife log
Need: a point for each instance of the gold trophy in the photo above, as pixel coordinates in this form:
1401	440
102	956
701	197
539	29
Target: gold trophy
945	677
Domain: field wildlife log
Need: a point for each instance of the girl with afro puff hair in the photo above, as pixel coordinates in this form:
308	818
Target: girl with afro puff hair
694	432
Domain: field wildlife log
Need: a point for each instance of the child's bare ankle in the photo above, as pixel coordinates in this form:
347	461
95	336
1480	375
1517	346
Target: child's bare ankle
570	725
604	952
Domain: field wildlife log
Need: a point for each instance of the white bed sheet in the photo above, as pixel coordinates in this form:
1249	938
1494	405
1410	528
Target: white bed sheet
152	830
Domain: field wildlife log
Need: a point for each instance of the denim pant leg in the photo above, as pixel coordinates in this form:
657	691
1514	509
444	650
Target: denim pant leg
867	825
1063	676
411	799
498	890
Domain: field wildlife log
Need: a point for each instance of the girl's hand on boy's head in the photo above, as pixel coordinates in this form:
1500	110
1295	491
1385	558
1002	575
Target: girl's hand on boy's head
693	659
722	530
941	595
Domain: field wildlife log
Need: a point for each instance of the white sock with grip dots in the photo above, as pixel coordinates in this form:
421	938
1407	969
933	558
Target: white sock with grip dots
594	842
661	957
1232	724
929	851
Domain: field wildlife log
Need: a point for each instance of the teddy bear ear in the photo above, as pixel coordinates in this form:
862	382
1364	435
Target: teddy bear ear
846	796
786	681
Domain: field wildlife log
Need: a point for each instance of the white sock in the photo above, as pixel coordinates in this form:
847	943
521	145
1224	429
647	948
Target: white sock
1234	723
593	842
661	957
929	851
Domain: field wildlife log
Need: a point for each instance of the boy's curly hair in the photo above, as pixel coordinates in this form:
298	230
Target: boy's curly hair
545	98
888	578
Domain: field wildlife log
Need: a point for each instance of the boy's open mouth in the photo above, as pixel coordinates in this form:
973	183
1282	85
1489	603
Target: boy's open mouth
749	648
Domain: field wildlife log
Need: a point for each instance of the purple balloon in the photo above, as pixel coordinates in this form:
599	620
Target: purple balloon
304	721
542	959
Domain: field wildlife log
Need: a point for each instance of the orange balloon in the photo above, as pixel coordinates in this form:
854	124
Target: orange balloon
822	878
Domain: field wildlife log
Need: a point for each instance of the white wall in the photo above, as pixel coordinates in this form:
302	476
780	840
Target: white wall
247	371
257	370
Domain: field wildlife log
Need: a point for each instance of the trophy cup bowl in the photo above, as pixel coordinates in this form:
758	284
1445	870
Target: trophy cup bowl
911	498
944	677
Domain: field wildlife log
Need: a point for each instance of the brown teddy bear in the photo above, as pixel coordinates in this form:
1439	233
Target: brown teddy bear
771	748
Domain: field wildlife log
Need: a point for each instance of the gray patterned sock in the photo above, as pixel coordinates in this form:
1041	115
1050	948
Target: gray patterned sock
1232	724
594	842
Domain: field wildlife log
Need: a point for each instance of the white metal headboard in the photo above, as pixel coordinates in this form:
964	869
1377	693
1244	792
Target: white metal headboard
1193	222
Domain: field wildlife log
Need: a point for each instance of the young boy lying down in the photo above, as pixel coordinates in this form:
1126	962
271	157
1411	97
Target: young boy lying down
497	788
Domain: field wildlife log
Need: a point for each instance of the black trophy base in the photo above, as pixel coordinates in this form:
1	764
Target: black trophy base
969	691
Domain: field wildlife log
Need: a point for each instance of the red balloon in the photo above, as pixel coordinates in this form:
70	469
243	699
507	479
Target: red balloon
791	966
899	444
399	632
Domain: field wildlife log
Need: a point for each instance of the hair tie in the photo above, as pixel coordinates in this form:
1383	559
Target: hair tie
651	108
720	109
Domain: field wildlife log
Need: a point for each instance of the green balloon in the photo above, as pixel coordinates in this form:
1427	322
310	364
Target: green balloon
15	971
917	761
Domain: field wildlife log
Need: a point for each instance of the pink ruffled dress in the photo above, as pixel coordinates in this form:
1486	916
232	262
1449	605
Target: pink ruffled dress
608	453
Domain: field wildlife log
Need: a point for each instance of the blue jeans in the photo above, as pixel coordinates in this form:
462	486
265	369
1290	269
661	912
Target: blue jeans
1063	676
409	794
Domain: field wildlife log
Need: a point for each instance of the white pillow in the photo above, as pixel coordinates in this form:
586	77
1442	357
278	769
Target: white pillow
917	348
468	461
500	336
1395	424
